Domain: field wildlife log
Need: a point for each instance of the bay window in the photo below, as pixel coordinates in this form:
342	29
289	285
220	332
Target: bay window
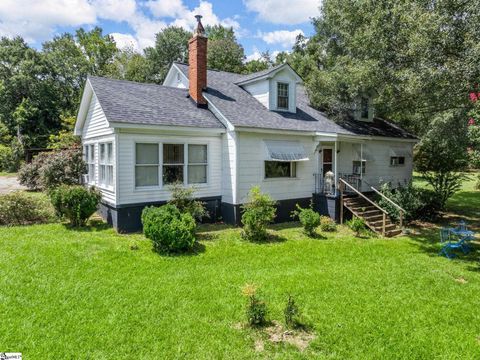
146	165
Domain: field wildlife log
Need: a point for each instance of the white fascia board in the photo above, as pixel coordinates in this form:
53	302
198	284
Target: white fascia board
271	75
146	128
83	108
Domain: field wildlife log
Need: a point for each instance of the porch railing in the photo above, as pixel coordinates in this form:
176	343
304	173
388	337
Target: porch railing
329	187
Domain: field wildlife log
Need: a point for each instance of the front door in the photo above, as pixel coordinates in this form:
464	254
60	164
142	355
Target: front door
326	160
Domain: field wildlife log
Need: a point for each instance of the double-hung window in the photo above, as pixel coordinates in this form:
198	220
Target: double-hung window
106	164
397	160
197	164
147	164
173	163
359	167
89	157
282	96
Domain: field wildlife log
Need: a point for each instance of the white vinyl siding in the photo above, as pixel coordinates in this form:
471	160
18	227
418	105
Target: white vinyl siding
260	91
96	124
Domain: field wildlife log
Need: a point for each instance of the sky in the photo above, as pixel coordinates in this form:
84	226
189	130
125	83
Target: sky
259	24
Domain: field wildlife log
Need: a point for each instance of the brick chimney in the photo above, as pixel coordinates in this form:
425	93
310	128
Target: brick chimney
197	60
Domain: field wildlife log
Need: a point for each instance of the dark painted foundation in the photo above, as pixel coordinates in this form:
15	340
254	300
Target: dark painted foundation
127	218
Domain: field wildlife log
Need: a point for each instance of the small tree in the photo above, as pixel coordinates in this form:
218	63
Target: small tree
441	155
259	211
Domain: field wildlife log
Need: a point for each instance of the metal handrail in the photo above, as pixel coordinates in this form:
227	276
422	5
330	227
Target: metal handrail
363	196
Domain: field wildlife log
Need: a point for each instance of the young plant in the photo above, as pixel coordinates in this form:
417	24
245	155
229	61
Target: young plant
292	313
258	212
327	224
308	217
256	309
183	198
477	183
357	225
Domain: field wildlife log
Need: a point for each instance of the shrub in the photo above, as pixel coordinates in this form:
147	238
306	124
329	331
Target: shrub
7	159
309	219
418	203
75	203
168	228
183	199
357	225
256	309
259	211
51	169
477	183
292	313
327	224
21	208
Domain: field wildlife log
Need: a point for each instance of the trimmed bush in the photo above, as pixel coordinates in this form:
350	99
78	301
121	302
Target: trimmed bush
327	224
51	169
357	225
21	208
309	219
258	212
75	203
169	229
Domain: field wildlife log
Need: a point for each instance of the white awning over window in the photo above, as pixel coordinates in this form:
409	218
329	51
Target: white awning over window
399	151
279	150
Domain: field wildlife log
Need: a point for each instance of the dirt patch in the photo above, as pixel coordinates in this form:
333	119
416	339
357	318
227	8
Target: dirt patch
298	338
461	280
259	345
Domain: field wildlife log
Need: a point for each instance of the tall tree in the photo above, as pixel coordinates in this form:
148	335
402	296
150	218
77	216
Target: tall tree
171	44
419	57
130	65
98	49
224	51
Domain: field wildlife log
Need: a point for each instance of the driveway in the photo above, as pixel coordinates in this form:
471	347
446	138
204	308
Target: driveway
9	183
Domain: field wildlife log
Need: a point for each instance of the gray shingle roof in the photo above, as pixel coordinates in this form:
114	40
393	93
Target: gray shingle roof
242	109
149	104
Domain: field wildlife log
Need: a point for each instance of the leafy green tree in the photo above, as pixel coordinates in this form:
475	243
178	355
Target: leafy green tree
254	66
441	154
224	51
98	49
171	44
130	65
417	56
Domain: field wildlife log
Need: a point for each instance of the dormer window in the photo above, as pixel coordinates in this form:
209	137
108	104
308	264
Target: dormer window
364	108
282	96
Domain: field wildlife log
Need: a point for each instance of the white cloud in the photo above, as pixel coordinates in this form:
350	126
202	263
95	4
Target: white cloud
166	8
255	55
284	38
126	41
284	11
117	10
36	20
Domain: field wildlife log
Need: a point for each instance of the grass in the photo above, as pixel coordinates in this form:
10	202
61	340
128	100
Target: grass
7	174
84	294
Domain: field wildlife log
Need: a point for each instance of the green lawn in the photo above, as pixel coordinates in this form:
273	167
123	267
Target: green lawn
7	174
85	295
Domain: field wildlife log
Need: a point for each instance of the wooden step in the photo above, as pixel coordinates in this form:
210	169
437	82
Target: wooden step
393	233
387	228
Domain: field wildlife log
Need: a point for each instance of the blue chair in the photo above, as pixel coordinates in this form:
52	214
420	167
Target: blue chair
448	246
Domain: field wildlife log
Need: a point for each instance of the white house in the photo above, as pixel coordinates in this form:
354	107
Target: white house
224	133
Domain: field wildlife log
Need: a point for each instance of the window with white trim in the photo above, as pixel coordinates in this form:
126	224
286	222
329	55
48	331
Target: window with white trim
105	164
359	167
173	163
197	164
89	157
282	96
147	164
280	169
